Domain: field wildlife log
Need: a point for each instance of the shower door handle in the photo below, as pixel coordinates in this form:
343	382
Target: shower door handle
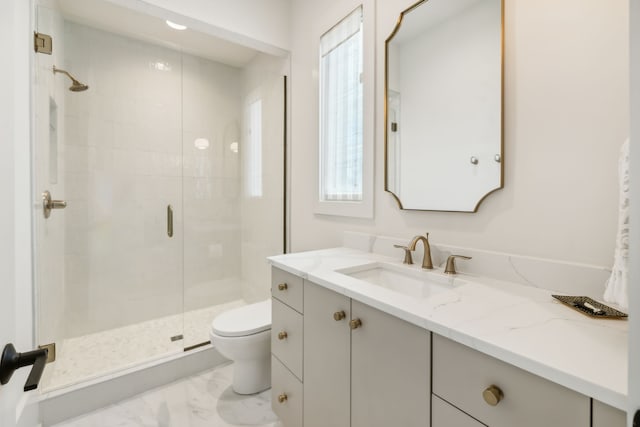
169	221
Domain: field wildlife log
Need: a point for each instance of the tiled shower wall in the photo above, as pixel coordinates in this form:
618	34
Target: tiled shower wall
129	141
262	217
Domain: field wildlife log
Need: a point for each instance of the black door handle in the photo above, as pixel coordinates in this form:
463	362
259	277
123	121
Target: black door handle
12	360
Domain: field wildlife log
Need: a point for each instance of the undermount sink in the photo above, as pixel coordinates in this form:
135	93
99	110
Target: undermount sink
408	281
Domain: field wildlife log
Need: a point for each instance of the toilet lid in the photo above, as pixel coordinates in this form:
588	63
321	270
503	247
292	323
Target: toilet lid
247	320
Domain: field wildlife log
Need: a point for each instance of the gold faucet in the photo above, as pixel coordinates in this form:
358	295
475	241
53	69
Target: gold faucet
426	259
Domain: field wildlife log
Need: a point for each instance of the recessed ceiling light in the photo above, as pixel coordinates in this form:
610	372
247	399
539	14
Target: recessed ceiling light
175	26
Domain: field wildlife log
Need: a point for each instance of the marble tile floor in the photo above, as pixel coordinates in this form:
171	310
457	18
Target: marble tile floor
94	355
202	400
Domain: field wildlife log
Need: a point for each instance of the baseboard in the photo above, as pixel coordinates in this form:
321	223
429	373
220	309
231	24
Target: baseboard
60	405
27	411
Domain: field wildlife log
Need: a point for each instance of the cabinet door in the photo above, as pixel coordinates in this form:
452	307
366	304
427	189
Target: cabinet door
326	357
390	371
445	415
607	416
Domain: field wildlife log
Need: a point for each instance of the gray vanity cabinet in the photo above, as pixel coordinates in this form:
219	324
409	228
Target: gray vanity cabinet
286	347
338	362
362	367
501	395
606	416
390	370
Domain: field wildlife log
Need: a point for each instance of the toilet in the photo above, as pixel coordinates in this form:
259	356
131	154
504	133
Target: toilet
243	335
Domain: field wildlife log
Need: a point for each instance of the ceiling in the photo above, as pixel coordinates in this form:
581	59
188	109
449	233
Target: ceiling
109	17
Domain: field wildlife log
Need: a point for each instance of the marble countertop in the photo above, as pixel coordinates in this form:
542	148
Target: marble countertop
520	325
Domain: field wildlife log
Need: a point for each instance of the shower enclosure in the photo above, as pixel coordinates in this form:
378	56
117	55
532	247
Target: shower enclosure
171	165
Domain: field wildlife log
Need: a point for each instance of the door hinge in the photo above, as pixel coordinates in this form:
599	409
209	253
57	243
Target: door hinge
42	43
51	355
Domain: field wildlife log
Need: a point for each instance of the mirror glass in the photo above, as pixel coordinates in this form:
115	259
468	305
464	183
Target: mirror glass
443	113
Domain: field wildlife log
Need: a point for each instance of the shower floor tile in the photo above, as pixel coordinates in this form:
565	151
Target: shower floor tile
94	355
201	400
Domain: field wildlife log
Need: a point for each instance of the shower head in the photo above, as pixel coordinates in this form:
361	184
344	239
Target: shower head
76	86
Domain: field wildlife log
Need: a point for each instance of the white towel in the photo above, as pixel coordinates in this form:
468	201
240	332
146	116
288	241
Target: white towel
617	286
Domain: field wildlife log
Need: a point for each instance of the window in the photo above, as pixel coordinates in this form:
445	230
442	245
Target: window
341	110
345	79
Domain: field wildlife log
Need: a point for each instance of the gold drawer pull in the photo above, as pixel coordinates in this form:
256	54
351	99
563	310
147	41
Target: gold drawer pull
283	398
282	287
339	315
282	335
492	395
355	323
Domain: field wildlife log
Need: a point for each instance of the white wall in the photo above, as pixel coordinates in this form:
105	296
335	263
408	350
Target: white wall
566	114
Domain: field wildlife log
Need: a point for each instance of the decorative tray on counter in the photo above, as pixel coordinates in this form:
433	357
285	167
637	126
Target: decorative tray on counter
591	308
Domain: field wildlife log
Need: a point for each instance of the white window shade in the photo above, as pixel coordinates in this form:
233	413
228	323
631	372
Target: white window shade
341	111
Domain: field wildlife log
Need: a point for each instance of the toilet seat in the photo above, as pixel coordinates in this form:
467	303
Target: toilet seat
242	321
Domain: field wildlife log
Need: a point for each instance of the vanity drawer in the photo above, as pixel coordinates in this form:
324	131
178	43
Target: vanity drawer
286	395
286	336
445	415
607	416
287	288
461	376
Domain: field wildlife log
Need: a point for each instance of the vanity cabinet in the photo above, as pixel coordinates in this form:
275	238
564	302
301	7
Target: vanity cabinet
362	367
286	347
501	395
341	363
607	416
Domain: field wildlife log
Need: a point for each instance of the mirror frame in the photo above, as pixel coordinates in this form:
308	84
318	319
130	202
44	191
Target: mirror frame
386	111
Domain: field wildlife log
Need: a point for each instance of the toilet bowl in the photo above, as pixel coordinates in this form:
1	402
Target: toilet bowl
244	336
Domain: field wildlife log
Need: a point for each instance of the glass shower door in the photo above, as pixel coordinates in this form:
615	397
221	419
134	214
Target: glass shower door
109	267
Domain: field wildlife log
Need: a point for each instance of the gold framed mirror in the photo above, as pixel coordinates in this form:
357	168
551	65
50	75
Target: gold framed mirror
444	105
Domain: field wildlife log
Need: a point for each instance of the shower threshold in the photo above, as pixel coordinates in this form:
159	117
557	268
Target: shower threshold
102	353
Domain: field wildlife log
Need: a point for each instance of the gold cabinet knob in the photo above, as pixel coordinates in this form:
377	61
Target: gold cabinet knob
492	395
282	398
339	315
282	335
282	287
355	323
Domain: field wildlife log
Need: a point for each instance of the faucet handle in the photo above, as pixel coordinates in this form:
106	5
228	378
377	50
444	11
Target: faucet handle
451	263
407	254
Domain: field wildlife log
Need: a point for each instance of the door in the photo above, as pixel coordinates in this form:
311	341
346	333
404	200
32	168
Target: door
327	348
15	237
392	357
634	241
